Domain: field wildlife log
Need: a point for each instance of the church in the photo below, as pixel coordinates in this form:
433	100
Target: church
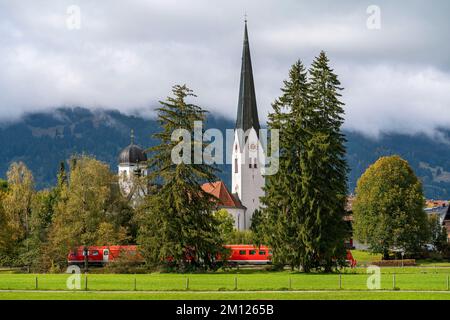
248	158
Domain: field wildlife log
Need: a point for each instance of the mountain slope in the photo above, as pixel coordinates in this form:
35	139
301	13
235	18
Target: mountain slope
42	140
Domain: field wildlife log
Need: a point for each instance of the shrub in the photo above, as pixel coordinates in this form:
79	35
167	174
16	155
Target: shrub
394	263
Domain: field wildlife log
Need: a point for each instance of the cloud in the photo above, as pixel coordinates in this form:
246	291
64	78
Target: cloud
396	79
400	99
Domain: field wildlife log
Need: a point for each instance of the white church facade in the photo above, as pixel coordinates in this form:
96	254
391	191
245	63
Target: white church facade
247	181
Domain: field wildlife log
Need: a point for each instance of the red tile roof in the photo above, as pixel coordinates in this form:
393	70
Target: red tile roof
436	203
219	190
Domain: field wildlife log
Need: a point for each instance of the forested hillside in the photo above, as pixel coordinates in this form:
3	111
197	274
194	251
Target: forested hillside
42	140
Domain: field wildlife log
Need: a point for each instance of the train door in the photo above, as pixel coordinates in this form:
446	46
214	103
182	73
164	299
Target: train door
105	255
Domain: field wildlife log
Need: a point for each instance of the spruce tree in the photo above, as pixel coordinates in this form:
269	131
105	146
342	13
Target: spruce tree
177	222
282	214
324	167
305	200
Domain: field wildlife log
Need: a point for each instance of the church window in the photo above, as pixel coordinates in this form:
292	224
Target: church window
236	166
254	165
250	165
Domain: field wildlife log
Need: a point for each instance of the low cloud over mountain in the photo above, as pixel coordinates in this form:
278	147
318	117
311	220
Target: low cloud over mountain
42	140
396	78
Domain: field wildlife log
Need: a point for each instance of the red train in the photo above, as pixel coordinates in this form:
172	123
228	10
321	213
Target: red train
249	254
99	255
243	254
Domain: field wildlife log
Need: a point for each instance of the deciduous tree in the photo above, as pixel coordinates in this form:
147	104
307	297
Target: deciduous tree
388	210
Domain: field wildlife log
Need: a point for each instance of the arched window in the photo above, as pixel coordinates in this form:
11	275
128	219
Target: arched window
236	170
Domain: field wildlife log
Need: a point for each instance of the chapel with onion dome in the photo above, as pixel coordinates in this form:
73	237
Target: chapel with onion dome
132	166
247	180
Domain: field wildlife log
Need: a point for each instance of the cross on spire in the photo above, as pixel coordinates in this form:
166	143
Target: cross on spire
132	136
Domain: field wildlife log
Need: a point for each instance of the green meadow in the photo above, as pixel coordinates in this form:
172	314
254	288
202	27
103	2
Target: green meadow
237	295
164	285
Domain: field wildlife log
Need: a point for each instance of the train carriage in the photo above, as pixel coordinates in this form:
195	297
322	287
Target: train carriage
242	254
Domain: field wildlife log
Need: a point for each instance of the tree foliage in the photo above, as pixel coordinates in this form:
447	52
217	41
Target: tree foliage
89	210
388	210
438	233
177	224
304	204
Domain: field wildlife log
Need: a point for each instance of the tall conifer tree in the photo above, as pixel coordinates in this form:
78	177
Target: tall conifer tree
305	200
178	224
282	189
325	168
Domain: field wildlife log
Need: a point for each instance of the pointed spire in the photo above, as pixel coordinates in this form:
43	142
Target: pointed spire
247	113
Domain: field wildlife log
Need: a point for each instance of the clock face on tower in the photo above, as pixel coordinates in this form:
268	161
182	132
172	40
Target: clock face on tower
252	146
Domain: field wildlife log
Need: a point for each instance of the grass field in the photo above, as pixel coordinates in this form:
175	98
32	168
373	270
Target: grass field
408	278
428	280
237	295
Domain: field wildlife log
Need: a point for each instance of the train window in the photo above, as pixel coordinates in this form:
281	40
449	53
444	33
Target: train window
95	253
262	253
270	252
242	252
252	252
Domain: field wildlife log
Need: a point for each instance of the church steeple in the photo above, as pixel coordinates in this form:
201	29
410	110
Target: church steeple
248	154
247	113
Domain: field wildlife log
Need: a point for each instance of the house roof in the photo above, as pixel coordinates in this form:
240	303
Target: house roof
132	154
441	211
436	203
219	190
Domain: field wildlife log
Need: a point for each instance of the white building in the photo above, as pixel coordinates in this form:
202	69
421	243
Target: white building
132	167
248	154
227	201
247	157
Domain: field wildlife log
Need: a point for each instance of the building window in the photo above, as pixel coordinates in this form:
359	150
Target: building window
254	165
235	166
250	165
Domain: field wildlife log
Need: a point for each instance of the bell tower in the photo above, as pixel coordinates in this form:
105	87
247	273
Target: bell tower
132	166
248	154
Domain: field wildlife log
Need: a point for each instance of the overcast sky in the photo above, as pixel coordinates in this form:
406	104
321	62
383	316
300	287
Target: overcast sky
128	54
